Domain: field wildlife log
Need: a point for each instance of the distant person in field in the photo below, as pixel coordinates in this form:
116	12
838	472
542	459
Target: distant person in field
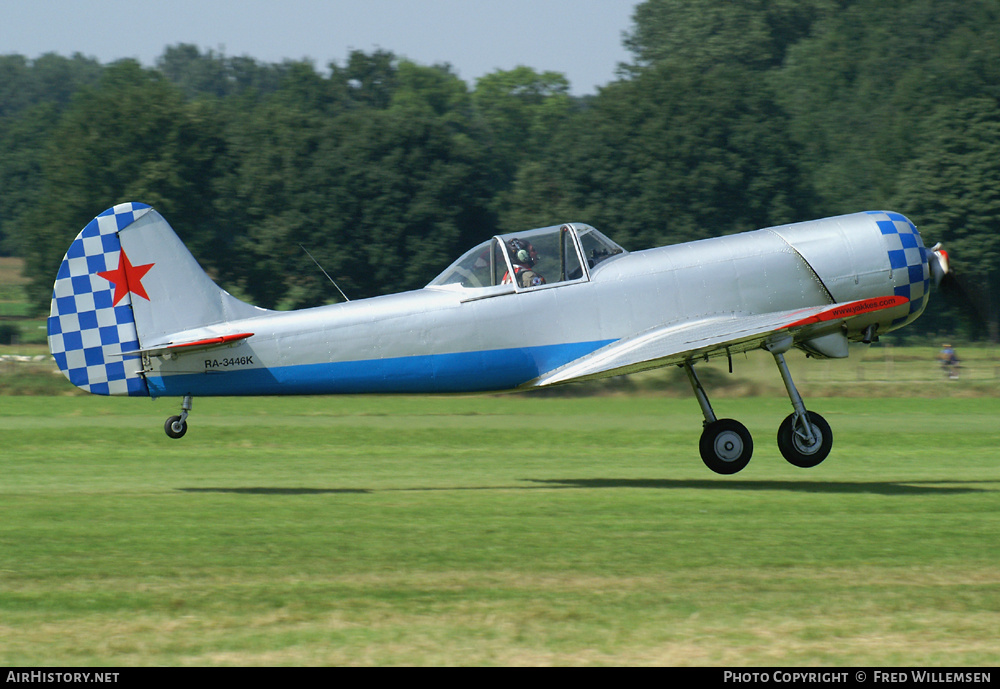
949	361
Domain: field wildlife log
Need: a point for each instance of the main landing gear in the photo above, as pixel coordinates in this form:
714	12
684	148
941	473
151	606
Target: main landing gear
726	445
176	426
804	437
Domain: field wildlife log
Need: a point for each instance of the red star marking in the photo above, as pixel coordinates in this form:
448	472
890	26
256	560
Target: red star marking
127	278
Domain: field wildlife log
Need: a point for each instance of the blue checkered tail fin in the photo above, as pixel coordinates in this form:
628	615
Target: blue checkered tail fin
128	283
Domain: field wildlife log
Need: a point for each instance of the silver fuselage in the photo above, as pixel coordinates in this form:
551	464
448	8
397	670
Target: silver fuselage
455	339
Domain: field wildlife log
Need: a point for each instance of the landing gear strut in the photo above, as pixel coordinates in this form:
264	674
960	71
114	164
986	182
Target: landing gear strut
176	426
726	446
804	437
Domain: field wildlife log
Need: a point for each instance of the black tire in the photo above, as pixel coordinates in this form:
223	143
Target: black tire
797	450
726	446
175	427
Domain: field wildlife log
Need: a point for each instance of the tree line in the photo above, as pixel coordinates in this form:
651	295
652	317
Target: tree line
729	117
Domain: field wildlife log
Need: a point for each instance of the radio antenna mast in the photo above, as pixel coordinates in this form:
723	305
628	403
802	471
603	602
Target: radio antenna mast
324	272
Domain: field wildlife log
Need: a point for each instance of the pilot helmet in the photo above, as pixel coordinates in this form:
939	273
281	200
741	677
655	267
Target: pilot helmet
522	252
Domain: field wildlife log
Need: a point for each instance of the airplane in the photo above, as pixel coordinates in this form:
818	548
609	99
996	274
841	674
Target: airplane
133	313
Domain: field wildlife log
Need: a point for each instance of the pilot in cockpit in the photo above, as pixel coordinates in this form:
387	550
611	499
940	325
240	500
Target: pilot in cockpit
523	257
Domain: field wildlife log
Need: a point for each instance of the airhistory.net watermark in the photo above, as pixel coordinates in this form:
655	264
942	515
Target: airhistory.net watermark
42	676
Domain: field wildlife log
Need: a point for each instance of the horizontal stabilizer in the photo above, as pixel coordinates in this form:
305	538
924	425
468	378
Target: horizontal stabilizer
194	345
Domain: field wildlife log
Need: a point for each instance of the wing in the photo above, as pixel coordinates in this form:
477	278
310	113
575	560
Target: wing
717	335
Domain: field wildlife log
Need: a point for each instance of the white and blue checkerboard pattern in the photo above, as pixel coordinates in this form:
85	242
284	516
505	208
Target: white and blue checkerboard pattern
908	260
87	332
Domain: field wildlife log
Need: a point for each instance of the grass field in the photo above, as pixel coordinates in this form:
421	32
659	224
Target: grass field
504	530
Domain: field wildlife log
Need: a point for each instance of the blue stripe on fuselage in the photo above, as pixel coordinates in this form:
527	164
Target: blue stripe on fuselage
498	369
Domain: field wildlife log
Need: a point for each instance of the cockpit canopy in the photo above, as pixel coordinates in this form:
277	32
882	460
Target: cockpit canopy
554	255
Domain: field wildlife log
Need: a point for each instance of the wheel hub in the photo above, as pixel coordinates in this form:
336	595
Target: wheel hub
728	446
801	440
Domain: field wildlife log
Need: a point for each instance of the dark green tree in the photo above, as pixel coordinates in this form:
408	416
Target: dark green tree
268	193
33	94
51	79
383	182
130	138
213	74
22	139
860	86
672	154
704	34
371	78
951	189
521	110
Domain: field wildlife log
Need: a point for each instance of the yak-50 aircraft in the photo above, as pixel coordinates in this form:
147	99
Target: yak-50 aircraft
134	314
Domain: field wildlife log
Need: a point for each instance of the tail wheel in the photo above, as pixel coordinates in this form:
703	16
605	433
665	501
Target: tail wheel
175	427
794	442
726	446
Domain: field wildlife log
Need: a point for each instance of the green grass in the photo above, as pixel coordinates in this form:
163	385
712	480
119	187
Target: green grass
494	530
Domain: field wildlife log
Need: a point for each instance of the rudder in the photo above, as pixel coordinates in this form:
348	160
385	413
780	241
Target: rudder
89	325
